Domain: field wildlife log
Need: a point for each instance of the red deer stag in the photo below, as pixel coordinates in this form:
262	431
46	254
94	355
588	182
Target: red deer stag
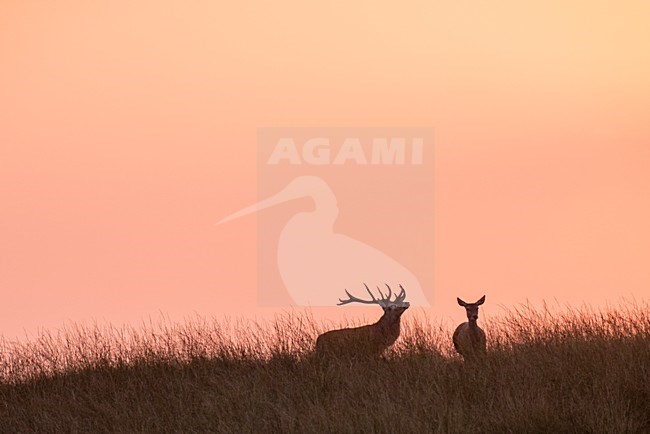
469	339
369	340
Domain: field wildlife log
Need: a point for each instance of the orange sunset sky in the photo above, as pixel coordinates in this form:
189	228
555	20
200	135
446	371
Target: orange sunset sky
129	128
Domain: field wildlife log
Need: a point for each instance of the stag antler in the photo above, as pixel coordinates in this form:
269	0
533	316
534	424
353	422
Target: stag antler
353	299
401	296
383	301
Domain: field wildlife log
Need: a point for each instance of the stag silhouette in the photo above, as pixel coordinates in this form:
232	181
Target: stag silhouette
369	340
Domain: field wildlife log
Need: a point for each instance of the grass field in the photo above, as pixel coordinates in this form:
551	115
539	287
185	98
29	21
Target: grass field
571	371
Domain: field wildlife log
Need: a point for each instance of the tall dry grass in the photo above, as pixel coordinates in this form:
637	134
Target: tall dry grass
569	371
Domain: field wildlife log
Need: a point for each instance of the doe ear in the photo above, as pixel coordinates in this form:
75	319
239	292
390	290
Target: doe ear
481	301
461	302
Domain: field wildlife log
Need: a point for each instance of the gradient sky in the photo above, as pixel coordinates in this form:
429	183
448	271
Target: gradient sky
127	129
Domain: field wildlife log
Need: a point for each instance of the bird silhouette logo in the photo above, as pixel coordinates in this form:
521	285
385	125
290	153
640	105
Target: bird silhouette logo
315	262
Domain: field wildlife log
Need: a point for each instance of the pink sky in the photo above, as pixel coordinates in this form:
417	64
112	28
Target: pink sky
127	131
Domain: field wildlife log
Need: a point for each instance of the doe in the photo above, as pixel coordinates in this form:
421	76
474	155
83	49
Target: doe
469	338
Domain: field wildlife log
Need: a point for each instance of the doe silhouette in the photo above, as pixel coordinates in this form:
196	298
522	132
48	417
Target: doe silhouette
469	338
